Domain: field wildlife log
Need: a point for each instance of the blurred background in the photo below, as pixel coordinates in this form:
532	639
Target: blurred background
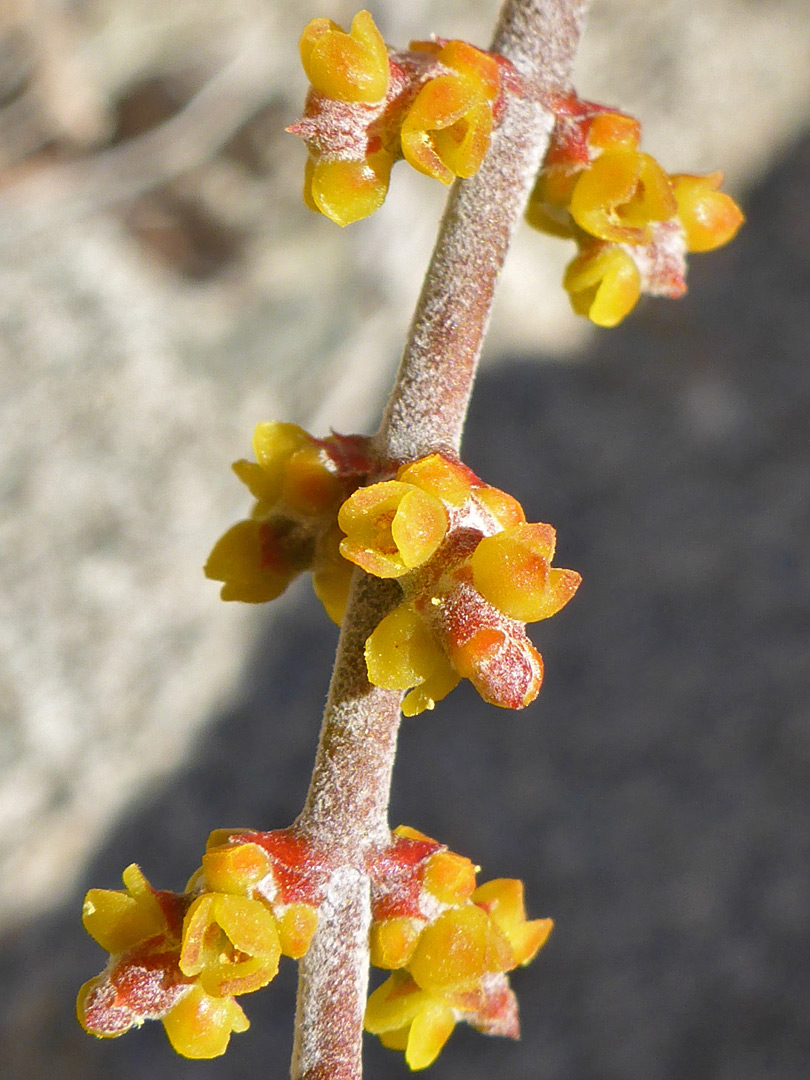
162	288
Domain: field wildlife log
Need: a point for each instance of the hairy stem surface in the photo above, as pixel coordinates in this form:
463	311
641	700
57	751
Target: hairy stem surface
346	808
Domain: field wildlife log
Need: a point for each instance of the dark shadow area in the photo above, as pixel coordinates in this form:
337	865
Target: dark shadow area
656	799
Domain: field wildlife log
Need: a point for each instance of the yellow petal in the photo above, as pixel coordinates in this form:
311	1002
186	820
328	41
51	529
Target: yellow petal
402	652
449	877
457	950
511	570
431	1028
347	191
709	217
418	527
200	1026
604	284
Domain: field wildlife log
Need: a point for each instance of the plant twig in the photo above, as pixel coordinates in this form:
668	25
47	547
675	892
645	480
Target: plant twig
346	809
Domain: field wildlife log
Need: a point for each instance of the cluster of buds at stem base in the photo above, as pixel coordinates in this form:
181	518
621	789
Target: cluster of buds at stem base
434	104
299	483
184	958
448	945
633	223
472	570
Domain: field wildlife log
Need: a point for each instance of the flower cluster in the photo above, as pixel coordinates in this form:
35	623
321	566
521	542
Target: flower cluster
298	483
632	222
448	945
434	104
183	958
473	571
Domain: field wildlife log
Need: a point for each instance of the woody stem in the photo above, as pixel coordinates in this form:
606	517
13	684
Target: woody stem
346	807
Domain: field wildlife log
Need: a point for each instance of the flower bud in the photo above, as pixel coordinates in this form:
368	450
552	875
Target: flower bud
350	67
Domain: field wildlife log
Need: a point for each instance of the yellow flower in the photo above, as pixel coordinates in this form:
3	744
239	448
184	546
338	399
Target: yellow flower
349	67
465	593
298	483
433	104
604	283
403	653
391	528
619	196
631	221
512	570
455	968
709	217
230	943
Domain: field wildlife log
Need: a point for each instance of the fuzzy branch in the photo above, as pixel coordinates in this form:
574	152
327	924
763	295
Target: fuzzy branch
346	809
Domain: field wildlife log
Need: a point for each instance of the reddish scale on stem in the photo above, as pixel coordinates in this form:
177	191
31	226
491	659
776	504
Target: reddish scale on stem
300	870
488	648
398	872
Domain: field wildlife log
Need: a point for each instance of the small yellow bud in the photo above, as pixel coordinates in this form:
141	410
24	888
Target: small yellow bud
604	284
450	877
393	941
709	217
349	67
296	928
620	194
234	868
511	569
200	1025
391	528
